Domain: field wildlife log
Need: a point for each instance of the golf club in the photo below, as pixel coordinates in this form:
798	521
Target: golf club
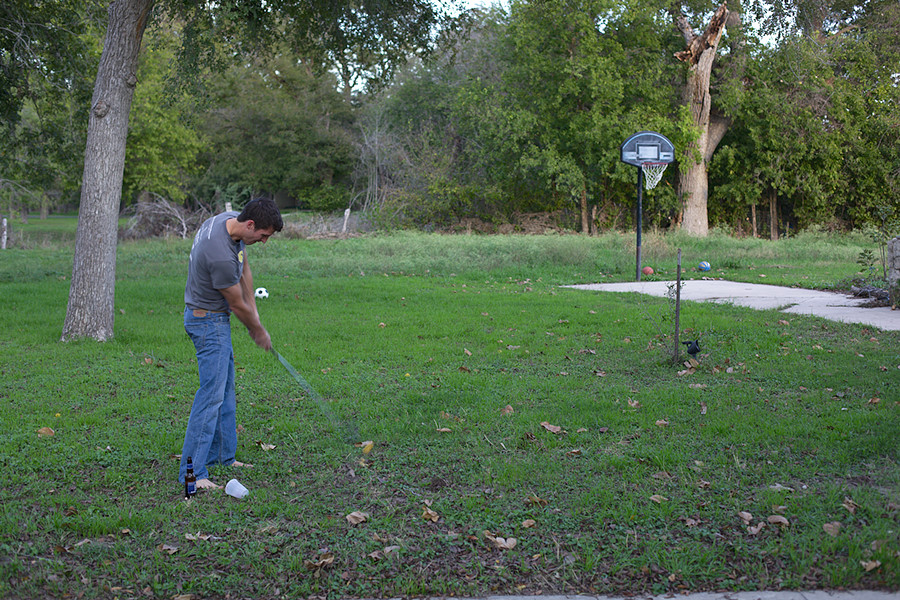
349	429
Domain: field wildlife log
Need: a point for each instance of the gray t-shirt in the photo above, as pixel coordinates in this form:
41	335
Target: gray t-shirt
216	263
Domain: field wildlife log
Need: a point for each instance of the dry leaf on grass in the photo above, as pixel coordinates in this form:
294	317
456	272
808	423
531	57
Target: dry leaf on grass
325	560
535	501
443	430
755	530
499	542
850	505
386	552
198	537
45	432
366	446
528	523
870	565
507	410
662	423
658	498
551	428
167	549
357	517
430	515
832	528
778	520
745	517
265	447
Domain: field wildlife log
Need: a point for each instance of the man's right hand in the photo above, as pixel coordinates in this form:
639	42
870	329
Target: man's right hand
262	339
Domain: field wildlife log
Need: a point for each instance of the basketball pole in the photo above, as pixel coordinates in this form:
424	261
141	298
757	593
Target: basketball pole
640	209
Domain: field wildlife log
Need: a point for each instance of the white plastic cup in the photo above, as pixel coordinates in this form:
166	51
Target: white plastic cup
235	489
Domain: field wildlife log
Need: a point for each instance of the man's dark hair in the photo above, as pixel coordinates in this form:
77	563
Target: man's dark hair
263	212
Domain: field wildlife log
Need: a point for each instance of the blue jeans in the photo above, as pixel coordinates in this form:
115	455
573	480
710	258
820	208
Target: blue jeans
211	437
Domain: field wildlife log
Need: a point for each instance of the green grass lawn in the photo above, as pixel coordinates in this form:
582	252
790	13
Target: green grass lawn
499	406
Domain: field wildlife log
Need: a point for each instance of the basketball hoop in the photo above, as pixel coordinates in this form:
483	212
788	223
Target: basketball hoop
653	172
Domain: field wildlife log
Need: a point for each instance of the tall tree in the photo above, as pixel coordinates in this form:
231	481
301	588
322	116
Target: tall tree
90	311
699	57
237	25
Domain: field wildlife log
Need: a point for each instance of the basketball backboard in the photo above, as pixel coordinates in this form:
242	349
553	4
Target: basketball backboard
647	147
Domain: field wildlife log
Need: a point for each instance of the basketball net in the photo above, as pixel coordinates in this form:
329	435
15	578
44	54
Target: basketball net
653	173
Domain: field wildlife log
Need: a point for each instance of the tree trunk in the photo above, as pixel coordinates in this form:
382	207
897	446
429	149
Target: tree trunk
753	219
585	213
700	55
91	309
773	216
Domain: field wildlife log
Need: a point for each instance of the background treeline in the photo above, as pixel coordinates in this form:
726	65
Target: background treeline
517	109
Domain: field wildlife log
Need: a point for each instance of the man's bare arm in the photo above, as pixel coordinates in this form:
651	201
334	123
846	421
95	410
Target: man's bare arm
242	302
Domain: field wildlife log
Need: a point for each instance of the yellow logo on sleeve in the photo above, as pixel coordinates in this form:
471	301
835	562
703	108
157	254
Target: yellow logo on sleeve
241	257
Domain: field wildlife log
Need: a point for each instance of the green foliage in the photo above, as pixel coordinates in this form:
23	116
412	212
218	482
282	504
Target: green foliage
48	52
275	127
327	199
162	150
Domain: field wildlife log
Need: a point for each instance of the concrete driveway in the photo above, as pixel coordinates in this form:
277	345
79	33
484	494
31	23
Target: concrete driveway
828	305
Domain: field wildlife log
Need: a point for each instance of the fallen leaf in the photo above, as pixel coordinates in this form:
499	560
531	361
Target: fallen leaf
183	597
870	565
265	447
780	488
745	517
658	499
662	423
536	501
755	530
468	353
873	401
634	403
499	542
444	430
664	475
528	523
703	484
703	408
551	428
832	528
850	505
367	446
45	432
575	452
507	410
430	515
357	517
326	560
778	520
166	548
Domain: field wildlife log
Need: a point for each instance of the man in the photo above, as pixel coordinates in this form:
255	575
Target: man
219	283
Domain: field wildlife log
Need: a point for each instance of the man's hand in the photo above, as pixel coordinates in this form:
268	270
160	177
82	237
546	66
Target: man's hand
245	310
262	339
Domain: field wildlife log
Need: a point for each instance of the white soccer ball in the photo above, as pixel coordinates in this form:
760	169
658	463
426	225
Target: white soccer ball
262	293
